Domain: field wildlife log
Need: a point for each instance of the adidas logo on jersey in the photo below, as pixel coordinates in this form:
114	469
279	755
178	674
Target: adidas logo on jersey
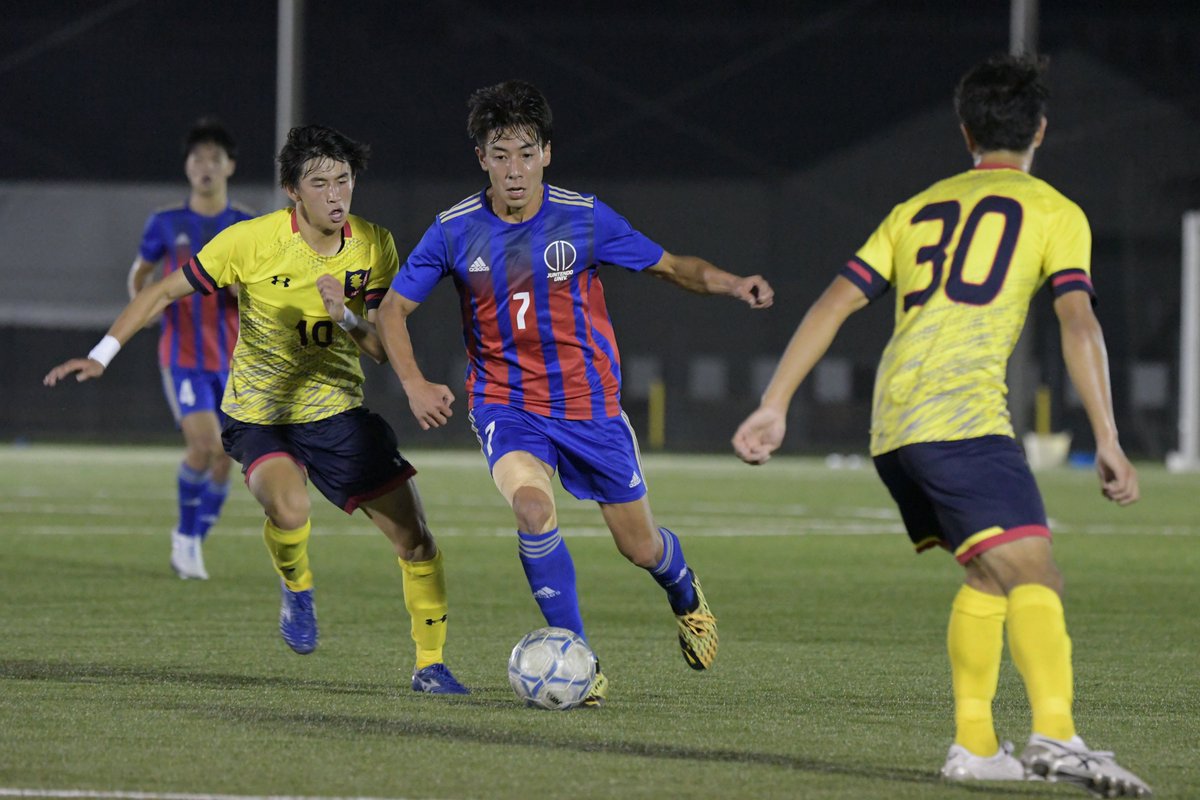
636	480
478	266
545	593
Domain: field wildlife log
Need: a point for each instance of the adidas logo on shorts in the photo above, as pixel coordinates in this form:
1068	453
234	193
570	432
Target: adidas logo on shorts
636	480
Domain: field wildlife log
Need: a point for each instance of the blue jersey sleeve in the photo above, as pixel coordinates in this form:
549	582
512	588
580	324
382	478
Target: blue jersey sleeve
427	264
153	247
617	242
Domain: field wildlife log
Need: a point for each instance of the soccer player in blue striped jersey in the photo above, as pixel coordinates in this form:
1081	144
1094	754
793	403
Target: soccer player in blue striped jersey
544	375
966	257
198	335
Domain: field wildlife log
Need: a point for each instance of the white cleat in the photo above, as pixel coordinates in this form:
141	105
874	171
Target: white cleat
963	765
187	559
1071	761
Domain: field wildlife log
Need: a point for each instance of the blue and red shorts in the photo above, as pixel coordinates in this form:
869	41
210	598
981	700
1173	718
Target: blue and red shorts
189	391
966	496
351	457
596	459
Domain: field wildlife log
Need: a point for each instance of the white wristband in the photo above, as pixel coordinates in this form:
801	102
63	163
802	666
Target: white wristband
105	350
349	320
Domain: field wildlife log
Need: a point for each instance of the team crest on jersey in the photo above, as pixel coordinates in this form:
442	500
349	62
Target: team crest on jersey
356	282
560	258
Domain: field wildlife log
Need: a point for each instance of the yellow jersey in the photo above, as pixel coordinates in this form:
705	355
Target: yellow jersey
292	363
965	257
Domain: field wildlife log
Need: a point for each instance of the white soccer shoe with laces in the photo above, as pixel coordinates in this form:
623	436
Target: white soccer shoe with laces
963	765
1071	761
187	559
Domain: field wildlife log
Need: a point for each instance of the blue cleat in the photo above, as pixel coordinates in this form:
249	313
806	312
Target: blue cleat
298	619
436	679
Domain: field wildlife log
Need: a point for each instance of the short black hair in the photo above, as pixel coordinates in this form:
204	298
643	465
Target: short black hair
1002	101
209	130
509	107
307	142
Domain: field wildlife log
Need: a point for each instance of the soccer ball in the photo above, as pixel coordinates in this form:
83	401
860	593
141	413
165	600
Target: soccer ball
552	668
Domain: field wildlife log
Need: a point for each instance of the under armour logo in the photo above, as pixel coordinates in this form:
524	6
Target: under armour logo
435	621
286	281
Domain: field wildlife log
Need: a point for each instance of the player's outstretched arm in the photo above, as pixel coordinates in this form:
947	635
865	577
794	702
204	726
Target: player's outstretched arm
145	306
362	331
429	402
762	432
1087	364
697	275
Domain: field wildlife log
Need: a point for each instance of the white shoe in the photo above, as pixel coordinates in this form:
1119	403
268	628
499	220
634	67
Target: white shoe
187	559
1072	762
963	765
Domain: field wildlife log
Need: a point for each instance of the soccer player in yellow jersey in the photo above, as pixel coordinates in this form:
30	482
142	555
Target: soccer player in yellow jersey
310	278
965	257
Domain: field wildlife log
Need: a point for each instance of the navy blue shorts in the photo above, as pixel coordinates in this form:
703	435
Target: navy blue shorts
966	496
350	457
596	459
191	390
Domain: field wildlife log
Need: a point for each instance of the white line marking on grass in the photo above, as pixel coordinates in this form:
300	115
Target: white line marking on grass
750	529
81	793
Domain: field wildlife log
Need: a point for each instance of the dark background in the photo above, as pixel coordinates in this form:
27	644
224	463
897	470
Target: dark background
768	137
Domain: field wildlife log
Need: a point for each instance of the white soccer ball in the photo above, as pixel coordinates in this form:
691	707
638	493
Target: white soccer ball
552	668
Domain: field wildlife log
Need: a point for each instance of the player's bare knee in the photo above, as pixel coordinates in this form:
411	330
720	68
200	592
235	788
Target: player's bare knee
206	453
534	510
288	510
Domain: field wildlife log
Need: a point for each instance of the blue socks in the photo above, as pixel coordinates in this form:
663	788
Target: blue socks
200	501
191	486
551	575
211	499
674	575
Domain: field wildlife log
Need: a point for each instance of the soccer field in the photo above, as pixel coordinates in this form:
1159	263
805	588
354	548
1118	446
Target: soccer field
117	678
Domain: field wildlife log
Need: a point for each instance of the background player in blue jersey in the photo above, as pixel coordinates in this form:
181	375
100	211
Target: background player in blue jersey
198	335
543	378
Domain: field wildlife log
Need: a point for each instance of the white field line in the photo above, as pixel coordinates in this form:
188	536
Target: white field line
110	795
782	467
746	529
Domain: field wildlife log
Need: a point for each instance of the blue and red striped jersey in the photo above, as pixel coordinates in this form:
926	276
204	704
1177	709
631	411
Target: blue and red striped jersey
199	331
535	325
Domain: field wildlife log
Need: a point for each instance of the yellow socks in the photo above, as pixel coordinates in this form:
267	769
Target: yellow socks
1041	649
289	552
425	599
975	640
